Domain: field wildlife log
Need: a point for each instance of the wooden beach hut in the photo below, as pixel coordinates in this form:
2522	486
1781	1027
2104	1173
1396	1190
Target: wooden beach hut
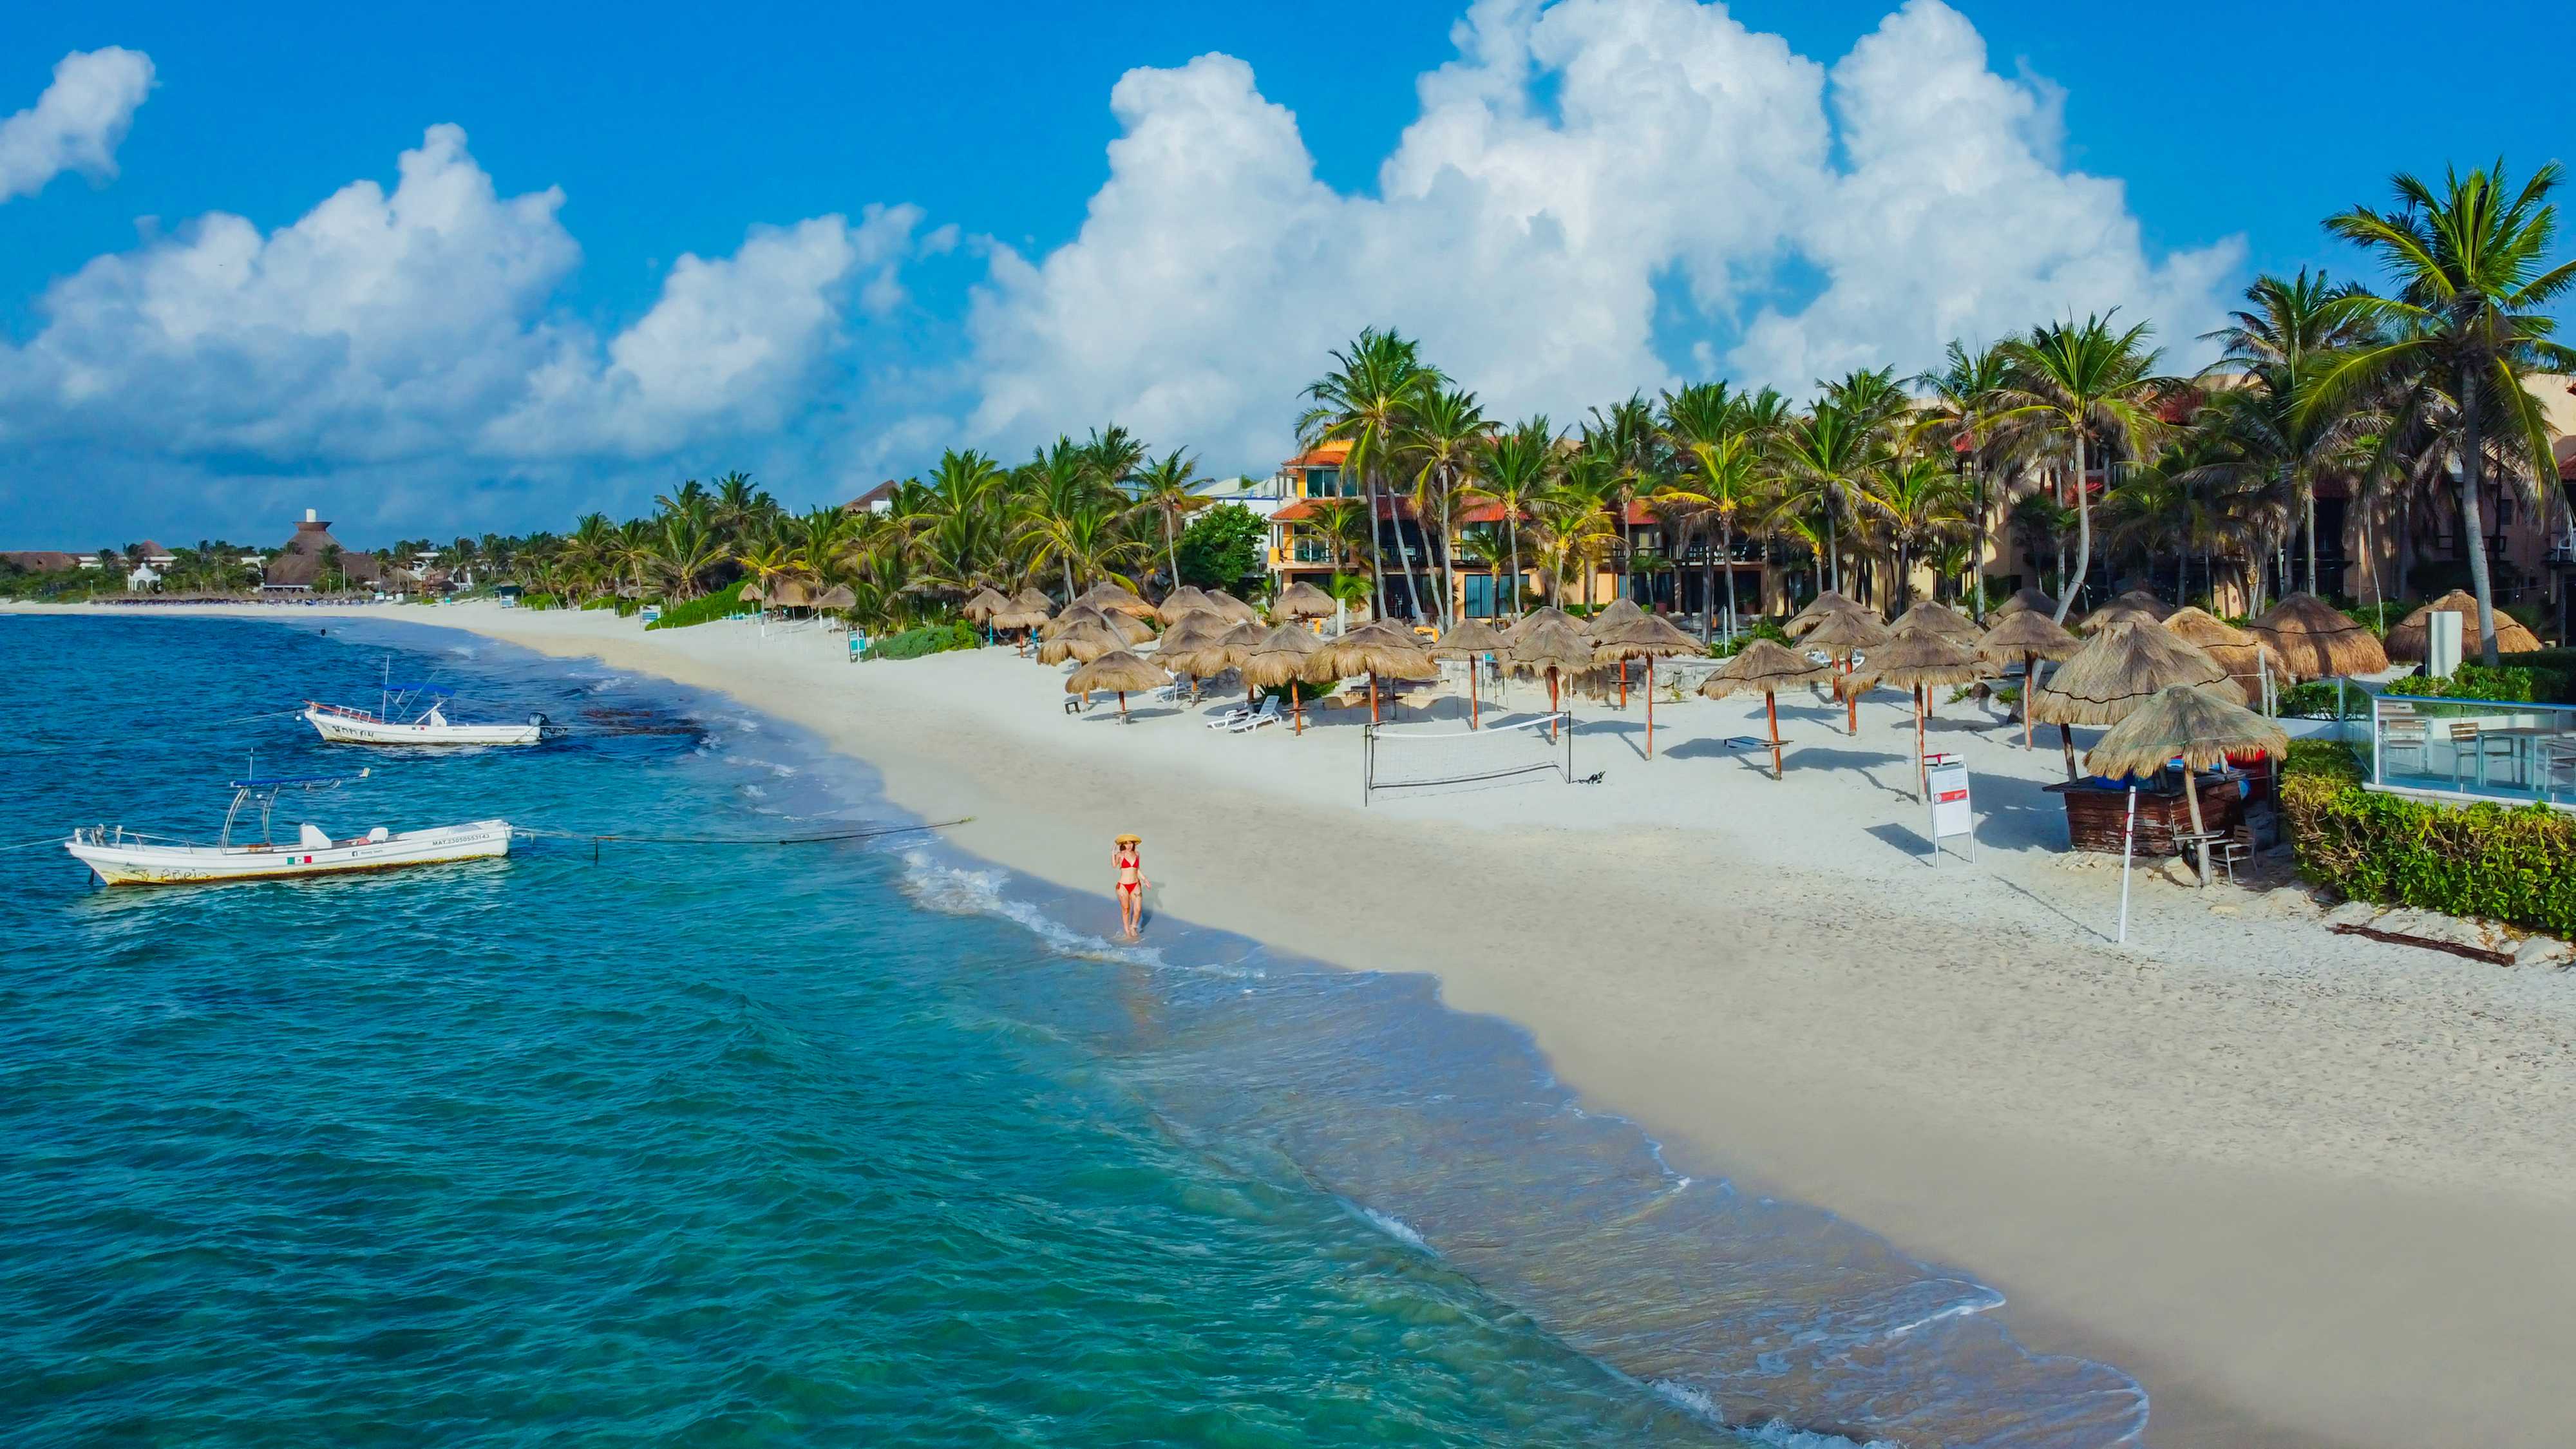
2116	671
2199	727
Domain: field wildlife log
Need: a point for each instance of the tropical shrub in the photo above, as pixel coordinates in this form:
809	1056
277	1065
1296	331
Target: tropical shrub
540	601
2317	699
723	603
2515	864
928	639
1764	628
1223	547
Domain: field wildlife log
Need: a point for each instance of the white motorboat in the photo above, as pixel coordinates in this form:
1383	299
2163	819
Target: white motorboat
119	856
416	714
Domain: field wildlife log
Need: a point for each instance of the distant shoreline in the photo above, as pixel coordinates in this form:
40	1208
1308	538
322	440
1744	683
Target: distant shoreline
2310	1190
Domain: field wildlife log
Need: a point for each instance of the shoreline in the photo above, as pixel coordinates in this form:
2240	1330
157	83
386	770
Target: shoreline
2308	1189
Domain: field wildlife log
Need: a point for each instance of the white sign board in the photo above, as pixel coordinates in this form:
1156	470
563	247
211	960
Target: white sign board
1945	789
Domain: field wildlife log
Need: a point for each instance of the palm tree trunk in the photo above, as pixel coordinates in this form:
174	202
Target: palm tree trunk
1833	545
1513	524
2308	505
2472	474
2083	530
1377	563
1172	548
1066	560
1708	597
1448	565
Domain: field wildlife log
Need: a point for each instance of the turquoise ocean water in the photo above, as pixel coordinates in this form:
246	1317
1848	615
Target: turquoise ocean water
861	1143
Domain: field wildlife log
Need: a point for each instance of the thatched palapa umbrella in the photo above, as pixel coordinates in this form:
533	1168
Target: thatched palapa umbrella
1819	608
2024	599
1111	598
2410	641
2316	640
1915	663
2242	654
1291	656
1840	633
2118	611
838	596
1082	643
1211	654
1379	649
1617	612
791	594
1646	637
1543	614
1937	619
1185	600
753	592
2196	725
1118	671
1234	610
1550	647
2029	635
2145	599
1470	641
1026	610
2115	672
1302	600
1769	668
982	605
1073	614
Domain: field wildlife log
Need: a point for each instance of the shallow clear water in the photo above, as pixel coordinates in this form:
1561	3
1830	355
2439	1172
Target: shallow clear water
849	1143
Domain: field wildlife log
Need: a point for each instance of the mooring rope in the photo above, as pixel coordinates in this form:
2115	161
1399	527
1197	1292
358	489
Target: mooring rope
870	833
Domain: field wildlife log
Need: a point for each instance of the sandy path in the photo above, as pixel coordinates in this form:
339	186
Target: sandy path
2310	1189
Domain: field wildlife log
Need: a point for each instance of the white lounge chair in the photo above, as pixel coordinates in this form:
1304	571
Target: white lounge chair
1268	714
1231	718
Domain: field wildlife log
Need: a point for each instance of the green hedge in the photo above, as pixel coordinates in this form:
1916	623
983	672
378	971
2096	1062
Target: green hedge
540	601
928	639
2513	864
724	603
1762	628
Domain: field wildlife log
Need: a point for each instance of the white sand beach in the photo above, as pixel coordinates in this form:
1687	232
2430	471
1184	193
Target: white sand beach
2311	1189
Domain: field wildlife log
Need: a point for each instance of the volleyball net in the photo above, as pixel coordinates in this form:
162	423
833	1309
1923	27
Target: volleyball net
1419	758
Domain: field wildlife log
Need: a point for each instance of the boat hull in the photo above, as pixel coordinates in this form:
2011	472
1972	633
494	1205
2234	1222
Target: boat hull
351	729
129	862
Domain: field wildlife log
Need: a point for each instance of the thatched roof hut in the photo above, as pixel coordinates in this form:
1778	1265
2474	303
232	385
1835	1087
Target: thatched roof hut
2410	641
1302	600
2316	640
1937	619
982	605
300	563
1187	599
2024	600
791	593
1082	643
2240	653
2188	722
838	596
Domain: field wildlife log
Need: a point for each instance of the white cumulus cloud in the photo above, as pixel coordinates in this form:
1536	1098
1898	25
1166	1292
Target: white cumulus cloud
77	123
1575	168
419	323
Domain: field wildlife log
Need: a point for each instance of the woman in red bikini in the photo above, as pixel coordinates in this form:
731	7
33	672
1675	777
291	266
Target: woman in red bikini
1131	883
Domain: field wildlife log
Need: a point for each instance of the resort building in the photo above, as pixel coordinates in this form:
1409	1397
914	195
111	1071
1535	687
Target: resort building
41	560
879	499
314	561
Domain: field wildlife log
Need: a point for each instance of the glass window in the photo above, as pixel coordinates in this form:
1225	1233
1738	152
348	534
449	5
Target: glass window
1325	482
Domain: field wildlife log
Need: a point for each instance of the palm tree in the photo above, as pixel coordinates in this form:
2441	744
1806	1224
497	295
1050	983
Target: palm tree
1918	503
737	509
687	551
1716	436
1167	488
1367	401
2070	381
1441	445
1824	458
1959	417
1629	442
1115	455
1516	468
2276	343
1057	486
2465	330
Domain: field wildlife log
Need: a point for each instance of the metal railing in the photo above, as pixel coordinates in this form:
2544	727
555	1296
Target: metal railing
2475	749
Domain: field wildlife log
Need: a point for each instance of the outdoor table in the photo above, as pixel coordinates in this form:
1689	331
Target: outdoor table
2525	740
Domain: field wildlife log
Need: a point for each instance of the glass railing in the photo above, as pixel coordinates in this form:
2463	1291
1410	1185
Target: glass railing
2482	749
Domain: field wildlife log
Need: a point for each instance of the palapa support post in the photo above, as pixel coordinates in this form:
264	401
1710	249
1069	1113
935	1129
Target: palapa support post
2029	681
2199	828
1122	706
1851	698
1373	696
1921	693
1551	704
1771	712
1297	708
1650	701
2066	737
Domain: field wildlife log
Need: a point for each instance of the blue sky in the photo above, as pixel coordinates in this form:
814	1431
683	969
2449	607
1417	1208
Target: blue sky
677	130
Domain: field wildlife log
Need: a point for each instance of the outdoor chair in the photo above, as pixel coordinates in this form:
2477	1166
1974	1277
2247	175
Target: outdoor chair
1268	714
2233	851
2557	764
2405	736
2472	746
1231	718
